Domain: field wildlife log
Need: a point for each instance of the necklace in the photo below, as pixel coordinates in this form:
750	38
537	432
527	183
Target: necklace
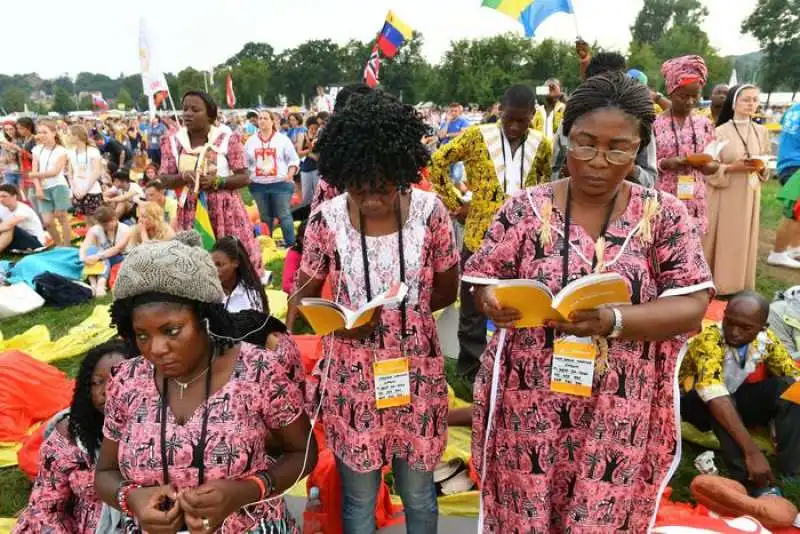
185	385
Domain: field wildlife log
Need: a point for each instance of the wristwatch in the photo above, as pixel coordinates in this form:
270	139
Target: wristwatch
616	330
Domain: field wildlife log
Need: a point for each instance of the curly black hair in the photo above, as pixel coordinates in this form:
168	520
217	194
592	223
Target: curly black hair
376	140
85	421
604	62
614	89
246	273
220	322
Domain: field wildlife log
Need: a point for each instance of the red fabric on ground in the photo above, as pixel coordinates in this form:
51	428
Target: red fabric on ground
30	392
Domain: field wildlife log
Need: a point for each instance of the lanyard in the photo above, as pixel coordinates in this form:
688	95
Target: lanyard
367	281
567	224
49	155
198	454
677	138
746	147
521	162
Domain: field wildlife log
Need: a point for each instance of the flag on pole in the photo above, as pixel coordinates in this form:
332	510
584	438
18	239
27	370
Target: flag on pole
211	75
230	96
154	83
99	102
202	221
395	32
373	68
530	13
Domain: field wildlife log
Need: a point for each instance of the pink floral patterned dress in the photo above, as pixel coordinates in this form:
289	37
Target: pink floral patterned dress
693	136
258	398
558	463
63	500
225	208
360	435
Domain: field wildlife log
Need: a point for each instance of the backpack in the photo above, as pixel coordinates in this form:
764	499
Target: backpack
61	292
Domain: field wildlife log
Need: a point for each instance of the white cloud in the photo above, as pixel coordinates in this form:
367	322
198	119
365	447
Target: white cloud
82	35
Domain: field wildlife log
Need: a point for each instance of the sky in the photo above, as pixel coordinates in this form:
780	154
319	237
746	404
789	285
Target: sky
84	35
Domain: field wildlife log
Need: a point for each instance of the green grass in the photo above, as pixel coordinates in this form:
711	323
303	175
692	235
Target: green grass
14	486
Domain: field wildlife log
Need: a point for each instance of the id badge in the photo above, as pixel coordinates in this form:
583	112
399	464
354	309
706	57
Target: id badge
392	383
686	187
573	366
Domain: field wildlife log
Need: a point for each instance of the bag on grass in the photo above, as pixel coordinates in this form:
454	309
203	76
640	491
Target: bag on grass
61	292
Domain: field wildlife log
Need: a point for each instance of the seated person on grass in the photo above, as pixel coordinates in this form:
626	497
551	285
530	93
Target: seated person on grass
719	397
784	320
155	192
124	196
105	242
20	227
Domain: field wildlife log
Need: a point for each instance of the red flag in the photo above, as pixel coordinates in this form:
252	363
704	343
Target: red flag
230	96
373	68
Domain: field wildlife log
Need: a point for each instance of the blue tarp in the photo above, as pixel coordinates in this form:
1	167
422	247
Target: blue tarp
61	260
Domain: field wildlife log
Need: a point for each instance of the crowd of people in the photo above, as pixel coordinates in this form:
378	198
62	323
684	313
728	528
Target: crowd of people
201	416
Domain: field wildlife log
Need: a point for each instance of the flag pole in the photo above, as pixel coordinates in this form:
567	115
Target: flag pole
575	19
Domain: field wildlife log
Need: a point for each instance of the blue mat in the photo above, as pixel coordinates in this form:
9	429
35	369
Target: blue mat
61	260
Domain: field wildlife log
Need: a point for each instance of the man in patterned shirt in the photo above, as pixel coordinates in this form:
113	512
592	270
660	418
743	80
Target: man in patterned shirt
719	372
500	159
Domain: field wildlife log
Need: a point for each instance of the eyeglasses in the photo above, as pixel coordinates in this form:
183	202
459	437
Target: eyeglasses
614	157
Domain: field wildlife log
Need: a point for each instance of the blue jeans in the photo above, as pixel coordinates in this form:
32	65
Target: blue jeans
12	178
274	201
360	493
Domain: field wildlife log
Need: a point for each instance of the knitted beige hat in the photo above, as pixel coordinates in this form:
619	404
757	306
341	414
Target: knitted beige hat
172	268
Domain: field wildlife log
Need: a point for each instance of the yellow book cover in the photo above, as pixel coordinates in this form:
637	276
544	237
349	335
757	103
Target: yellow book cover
95	269
326	316
537	304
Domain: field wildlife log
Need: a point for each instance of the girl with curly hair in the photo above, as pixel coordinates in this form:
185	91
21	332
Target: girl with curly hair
63	500
377	233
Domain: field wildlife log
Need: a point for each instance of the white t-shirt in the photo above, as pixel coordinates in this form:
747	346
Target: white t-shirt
242	299
269	160
138	192
101	238
31	224
48	159
82	163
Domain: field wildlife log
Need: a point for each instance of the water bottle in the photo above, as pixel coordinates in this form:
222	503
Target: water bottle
314	515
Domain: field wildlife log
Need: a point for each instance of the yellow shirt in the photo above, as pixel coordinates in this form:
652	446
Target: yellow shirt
170	210
487	192
703	367
540	118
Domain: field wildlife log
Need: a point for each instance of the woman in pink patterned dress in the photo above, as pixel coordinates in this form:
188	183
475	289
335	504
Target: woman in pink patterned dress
680	133
63	500
378	233
561	463
226	172
188	422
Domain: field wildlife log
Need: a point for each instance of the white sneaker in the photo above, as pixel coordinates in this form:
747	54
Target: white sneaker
793	252
782	259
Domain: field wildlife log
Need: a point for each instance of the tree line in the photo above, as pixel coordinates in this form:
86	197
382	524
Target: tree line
472	71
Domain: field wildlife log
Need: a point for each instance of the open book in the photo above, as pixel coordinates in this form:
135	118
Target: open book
537	304
326	316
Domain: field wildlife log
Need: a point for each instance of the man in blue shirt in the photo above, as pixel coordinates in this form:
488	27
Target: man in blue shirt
454	124
789	149
154	134
787	239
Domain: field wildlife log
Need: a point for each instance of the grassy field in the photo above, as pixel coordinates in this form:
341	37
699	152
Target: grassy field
14	487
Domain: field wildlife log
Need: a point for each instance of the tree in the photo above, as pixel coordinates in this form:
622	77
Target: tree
776	25
190	79
14	99
261	52
63	101
657	15
124	98
85	103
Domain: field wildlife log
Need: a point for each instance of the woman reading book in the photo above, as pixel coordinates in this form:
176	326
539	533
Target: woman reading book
385	397
594	458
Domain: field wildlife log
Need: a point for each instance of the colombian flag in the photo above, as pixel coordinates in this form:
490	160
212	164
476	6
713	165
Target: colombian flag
202	222
530	13
395	32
